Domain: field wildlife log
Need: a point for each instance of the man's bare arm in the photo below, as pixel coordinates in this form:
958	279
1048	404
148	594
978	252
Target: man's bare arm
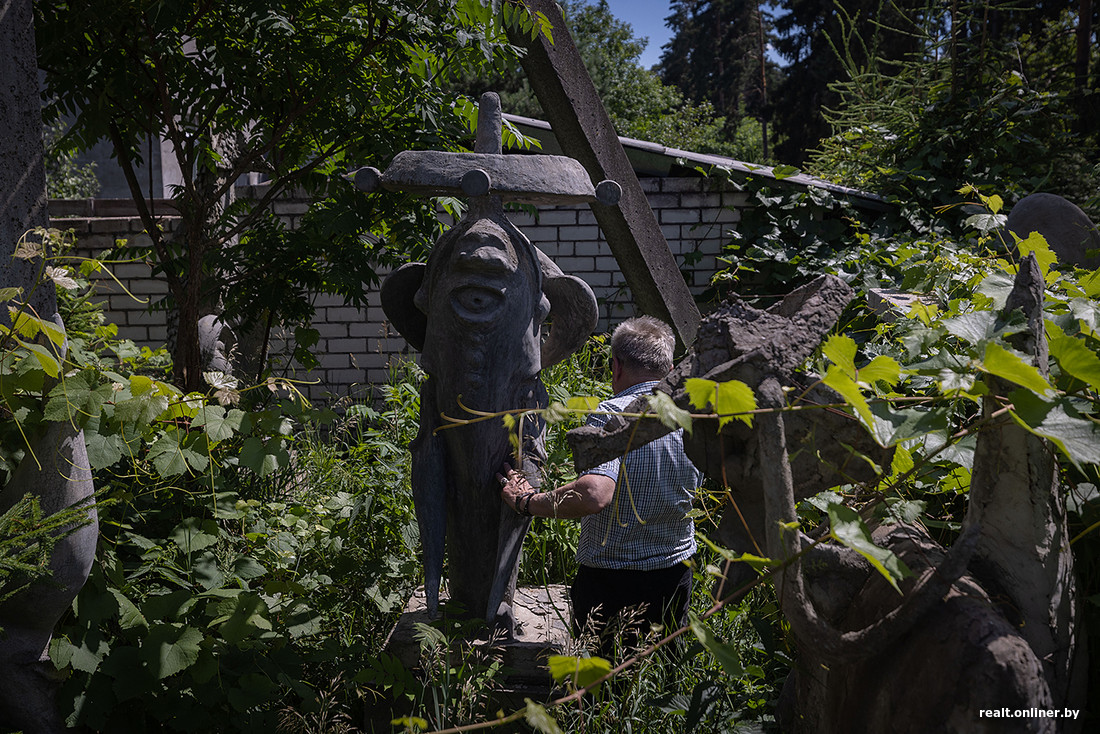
589	494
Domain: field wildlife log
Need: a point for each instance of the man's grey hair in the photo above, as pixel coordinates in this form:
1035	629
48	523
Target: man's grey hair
644	342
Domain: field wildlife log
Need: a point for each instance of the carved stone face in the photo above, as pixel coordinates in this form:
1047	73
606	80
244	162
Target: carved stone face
484	301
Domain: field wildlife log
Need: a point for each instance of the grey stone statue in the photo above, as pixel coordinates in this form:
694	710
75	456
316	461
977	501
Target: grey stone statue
476	311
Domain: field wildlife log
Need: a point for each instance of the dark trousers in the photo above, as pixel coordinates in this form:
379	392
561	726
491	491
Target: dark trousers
601	596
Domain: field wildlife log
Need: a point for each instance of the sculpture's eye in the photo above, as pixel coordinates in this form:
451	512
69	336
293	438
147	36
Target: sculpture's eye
476	303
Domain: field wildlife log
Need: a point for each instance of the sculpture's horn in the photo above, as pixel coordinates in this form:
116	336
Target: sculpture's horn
573	312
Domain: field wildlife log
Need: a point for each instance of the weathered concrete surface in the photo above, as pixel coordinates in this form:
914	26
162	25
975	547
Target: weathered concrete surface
927	660
962	657
1067	229
543	621
584	130
64	479
1024	558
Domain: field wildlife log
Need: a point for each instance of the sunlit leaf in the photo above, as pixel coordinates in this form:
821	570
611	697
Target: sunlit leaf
1076	359
668	412
842	382
841	351
727	399
726	654
1077	437
1009	366
880	369
1036	243
540	719
218	424
583	403
848	529
972	327
580	672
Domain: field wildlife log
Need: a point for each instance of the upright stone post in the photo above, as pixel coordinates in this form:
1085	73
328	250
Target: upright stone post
1023	556
63	480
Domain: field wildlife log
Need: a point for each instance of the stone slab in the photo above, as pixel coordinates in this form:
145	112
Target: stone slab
543	621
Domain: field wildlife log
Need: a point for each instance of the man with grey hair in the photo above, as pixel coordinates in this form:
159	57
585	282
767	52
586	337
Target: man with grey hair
636	533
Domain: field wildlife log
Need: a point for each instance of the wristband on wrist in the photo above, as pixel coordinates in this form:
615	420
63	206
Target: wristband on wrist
527	504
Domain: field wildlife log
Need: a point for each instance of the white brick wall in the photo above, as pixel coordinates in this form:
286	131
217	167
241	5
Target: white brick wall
357	346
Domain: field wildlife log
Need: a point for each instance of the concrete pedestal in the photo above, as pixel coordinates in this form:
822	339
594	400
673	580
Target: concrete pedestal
543	621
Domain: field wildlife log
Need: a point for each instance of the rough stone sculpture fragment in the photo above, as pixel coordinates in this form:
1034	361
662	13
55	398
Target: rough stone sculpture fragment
862	646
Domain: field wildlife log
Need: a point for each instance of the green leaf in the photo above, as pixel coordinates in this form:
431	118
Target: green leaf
997	286
194	534
1009	366
263	458
46	360
555	412
129	616
580	672
880	369
901	462
785	171
726	654
838	379
985	223
7	294
1076	359
972	327
841	351
727	399
1036	243
168	649
540	719
848	529
583	403
242	617
1077	437
668	412
104	450
78	398
141	409
167	455
218	424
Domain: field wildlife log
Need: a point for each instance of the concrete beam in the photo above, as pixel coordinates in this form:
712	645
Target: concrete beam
584	130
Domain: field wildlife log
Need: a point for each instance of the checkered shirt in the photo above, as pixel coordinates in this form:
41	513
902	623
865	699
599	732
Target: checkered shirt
654	483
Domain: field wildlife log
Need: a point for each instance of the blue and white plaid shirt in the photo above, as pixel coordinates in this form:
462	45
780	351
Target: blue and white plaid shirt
646	527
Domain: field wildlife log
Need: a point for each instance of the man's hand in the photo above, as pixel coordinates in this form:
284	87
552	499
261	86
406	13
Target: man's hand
514	489
589	494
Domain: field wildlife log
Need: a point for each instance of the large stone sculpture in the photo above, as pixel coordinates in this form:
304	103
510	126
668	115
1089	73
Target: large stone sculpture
476	311
863	650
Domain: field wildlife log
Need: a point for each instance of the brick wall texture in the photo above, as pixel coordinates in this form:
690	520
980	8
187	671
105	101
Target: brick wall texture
357	346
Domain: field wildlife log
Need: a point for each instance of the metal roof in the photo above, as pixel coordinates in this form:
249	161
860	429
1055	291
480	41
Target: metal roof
655	160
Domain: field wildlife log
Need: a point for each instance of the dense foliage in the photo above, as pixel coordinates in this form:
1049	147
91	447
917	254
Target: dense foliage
781	63
300	93
639	104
